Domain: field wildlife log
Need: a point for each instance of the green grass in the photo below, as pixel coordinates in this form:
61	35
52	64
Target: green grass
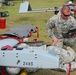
35	19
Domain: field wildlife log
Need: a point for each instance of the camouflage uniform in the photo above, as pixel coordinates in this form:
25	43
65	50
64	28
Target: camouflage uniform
56	25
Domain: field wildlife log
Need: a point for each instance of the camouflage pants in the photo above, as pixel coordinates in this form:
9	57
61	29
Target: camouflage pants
70	41
67	41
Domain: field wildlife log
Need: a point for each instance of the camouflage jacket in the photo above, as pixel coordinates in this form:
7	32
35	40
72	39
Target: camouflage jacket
56	26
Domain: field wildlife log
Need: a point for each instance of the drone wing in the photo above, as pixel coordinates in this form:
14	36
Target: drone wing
25	7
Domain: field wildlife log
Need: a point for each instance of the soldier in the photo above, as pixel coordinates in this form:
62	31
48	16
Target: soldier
59	24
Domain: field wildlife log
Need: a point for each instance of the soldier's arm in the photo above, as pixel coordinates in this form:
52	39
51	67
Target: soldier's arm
49	28
73	20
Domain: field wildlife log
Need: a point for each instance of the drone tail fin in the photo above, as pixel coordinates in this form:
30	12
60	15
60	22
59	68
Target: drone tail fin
25	7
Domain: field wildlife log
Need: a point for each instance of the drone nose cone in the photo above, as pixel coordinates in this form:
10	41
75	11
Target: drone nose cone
13	70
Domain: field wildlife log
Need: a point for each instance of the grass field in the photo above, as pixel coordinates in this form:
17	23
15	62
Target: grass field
35	19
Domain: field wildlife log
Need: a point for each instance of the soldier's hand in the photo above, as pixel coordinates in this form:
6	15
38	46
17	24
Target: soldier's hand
55	42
